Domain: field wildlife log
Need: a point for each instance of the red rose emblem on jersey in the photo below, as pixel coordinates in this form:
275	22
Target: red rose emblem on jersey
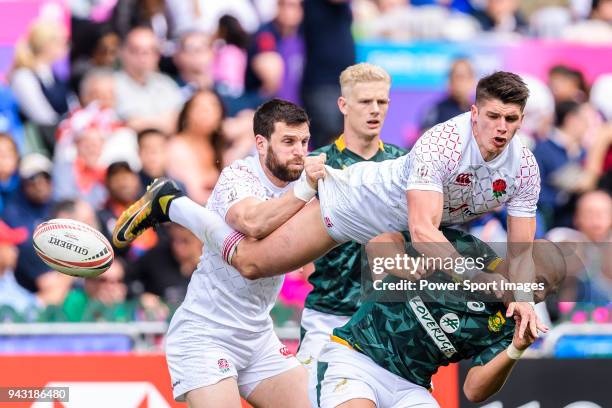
499	188
284	351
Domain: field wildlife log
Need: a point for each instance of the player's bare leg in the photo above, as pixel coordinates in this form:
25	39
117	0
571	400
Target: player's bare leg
302	239
223	394
358	403
286	390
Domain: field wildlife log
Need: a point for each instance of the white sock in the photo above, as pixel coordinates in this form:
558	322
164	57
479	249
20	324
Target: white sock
207	225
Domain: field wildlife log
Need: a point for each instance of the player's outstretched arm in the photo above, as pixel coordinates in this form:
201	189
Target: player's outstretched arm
521	269
256	218
485	380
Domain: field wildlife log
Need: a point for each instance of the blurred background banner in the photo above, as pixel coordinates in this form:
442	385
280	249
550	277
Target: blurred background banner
420	70
15	19
582	383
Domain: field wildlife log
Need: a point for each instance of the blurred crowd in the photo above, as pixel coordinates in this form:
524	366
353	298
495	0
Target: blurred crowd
168	88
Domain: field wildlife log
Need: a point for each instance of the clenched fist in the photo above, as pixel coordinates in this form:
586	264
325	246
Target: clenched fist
314	166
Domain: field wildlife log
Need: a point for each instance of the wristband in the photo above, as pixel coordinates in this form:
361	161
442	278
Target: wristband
514	353
303	191
522	296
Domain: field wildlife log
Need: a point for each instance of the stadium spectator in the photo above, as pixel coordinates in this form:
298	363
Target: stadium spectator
330	48
239	140
9	178
567	84
31	205
594	30
276	55
165	270
153	14
194	153
102	298
193	59
145	97
42	96
539	111
229	61
82	176
591	242
123	186
98	48
560	160
600	95
98	98
550	21
10	122
501	16
204	15
594	216
397	20
98	86
461	83
153	153
16	303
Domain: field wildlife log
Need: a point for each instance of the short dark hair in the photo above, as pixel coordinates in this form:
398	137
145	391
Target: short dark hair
505	86
570	73
564	109
277	110
116	168
143	134
64	206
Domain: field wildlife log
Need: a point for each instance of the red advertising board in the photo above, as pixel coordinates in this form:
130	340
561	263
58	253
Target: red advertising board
126	380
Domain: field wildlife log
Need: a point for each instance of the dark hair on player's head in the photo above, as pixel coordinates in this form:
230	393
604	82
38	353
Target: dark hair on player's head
505	86
274	111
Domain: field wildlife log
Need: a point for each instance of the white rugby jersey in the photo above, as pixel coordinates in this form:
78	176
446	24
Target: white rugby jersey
368	198
217	292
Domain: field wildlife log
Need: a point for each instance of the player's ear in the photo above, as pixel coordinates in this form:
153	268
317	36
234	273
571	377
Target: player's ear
261	144
342	104
474	113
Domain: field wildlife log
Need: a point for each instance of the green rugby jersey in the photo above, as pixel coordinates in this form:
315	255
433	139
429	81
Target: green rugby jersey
414	337
336	280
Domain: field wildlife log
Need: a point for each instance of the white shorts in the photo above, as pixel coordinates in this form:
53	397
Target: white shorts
317	329
350	375
356	208
199	356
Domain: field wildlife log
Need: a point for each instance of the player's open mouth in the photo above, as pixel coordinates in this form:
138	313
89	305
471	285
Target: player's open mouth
373	123
499	141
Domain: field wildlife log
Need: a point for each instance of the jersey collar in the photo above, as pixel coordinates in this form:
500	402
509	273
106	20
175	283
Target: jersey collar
341	144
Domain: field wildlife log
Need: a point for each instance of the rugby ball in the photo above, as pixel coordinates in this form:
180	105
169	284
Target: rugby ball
72	247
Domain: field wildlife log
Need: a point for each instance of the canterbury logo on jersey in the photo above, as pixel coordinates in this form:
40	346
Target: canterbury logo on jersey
431	327
463	179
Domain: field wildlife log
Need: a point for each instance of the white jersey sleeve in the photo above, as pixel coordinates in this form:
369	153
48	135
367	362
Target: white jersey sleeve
434	158
236	182
524	202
